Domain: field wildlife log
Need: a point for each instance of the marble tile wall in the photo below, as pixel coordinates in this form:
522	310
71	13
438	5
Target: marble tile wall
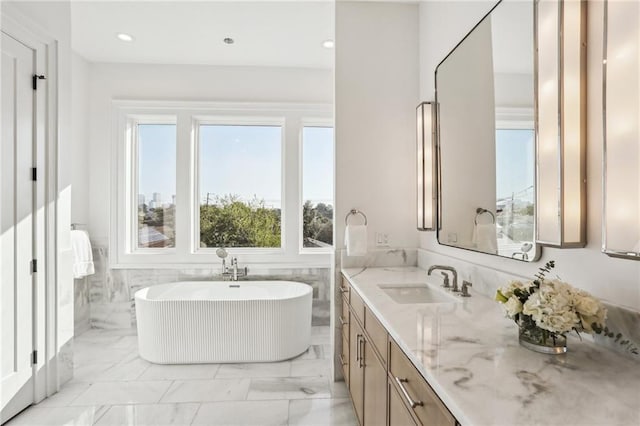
111	291
81	307
486	281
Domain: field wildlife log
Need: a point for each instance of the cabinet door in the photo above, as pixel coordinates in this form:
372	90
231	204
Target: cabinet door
399	415
375	388
344	360
356	368
344	328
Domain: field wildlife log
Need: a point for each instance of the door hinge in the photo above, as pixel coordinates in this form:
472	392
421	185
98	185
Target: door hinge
35	79
34	357
34	173
34	266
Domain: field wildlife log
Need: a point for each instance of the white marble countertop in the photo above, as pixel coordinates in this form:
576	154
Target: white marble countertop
469	353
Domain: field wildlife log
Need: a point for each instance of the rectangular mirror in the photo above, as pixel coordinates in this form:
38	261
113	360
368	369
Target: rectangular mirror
621	72
486	136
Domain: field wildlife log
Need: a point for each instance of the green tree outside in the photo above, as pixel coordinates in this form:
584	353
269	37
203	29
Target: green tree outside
230	222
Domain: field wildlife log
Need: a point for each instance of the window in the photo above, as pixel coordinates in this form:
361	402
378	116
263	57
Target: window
156	185
190	177
240	186
317	187
515	180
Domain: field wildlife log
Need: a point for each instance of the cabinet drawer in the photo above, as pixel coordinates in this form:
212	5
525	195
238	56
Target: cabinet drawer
399	414
377	334
344	358
344	317
430	410
345	288
357	307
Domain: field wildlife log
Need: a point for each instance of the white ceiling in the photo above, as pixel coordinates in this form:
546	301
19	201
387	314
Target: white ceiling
266	33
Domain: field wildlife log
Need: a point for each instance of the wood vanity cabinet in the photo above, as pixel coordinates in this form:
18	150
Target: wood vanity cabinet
356	370
399	415
344	320
420	400
385	386
367	368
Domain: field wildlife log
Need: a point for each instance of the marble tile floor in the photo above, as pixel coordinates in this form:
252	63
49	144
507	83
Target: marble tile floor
113	386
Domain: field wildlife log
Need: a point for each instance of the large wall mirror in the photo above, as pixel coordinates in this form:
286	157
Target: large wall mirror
486	136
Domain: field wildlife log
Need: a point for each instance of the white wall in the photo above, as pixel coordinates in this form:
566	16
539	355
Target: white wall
442	25
180	83
376	93
79	142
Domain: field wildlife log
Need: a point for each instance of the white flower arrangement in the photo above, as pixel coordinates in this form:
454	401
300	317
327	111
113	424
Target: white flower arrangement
555	306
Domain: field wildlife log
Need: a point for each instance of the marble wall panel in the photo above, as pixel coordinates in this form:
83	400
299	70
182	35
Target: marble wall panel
81	307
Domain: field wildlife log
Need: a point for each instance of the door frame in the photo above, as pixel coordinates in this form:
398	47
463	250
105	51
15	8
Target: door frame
46	131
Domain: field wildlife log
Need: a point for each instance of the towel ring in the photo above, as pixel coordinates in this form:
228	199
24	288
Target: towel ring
353	212
481	211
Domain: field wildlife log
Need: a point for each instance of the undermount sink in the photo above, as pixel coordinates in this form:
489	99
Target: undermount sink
416	293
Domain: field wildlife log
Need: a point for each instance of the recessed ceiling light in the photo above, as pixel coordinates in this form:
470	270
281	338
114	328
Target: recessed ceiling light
229	40
124	37
328	44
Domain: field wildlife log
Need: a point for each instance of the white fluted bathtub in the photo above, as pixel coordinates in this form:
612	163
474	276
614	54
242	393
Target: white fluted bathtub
221	321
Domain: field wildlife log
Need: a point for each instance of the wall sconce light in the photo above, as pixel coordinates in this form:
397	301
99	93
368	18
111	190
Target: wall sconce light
560	63
621	125
426	161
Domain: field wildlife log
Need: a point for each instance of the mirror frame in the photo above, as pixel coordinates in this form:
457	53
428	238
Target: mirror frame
438	143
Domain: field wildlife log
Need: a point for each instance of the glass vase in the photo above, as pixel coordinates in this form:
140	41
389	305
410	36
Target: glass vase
540	340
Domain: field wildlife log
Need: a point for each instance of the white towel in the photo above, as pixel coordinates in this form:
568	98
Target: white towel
485	237
355	239
82	256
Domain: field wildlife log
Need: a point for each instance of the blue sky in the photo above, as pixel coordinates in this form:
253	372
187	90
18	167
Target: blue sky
241	160
157	160
514	161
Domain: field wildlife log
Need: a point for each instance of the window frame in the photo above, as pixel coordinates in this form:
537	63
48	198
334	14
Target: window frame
133	183
314	122
188	115
273	121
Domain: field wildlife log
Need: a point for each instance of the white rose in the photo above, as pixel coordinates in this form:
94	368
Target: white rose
532	307
586	305
599	319
512	307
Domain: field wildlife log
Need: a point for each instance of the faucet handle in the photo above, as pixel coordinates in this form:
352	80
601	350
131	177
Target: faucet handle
445	284
465	288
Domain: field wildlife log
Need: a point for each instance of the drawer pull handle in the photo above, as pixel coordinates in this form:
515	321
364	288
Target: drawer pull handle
344	289
342	360
361	342
411	402
342	321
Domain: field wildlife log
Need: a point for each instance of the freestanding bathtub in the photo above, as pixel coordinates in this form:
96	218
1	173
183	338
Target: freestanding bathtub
223	321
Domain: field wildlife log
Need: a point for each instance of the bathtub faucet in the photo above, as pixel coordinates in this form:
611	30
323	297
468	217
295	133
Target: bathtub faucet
235	272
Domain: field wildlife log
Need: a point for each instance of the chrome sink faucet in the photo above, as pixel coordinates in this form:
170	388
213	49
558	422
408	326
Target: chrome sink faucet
451	269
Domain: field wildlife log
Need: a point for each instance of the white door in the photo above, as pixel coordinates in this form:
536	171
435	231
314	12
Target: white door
16	228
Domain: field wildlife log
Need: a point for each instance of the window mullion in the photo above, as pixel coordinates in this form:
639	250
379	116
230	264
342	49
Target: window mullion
184	185
291	178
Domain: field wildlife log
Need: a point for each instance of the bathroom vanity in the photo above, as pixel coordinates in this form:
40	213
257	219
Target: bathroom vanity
459	362
369	355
